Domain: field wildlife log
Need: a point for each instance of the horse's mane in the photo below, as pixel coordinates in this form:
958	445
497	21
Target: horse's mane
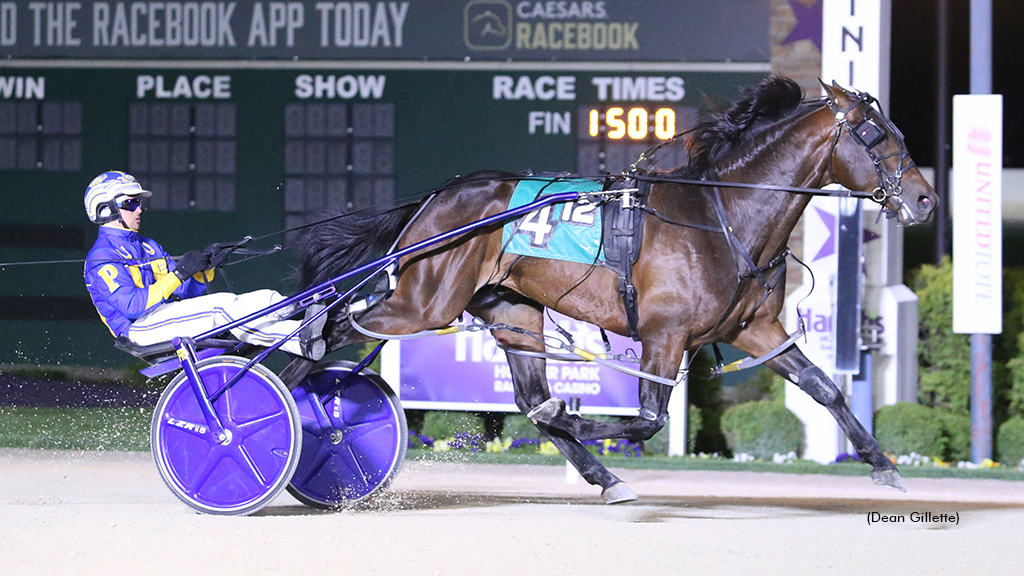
728	129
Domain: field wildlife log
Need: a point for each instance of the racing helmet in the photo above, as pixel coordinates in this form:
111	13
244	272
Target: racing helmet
102	193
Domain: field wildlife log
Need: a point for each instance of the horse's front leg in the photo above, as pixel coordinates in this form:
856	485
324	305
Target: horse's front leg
661	357
795	367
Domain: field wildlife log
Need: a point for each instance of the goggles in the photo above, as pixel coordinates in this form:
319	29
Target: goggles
130	204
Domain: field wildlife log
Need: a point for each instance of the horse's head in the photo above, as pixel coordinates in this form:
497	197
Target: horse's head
870	155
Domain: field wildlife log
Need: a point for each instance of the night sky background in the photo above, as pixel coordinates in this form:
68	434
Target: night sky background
915	62
913	95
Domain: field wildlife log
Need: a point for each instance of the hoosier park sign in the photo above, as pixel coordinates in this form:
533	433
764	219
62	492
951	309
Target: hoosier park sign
467	371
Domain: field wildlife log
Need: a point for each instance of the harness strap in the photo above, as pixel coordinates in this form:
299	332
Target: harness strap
779	261
380	292
750	362
739	252
601	359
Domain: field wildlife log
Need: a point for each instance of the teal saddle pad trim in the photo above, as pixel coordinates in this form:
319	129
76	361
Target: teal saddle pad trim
568	231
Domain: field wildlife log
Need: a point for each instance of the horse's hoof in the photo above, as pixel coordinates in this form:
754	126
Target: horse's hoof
617	493
889	479
546	412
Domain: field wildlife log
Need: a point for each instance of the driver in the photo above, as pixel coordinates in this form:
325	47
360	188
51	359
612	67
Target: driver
147	298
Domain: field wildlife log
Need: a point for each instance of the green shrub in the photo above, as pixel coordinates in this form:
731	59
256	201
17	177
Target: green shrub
907	427
762	429
957	430
518	426
694	422
1016	368
764	384
945	357
1011	441
442	424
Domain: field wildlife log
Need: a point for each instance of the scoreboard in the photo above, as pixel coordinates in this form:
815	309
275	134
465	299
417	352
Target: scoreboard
275	147
234	141
353	137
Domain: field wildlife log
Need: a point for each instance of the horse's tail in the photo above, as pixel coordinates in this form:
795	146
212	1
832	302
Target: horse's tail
336	246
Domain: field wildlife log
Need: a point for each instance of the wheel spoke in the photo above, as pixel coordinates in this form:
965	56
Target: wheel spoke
244	460
187	426
362	414
361	429
348	457
247	429
323	454
210	462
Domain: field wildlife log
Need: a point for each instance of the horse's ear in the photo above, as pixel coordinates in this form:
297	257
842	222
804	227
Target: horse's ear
711	104
835	92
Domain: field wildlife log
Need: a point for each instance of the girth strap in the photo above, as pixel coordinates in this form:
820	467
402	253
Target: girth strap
623	235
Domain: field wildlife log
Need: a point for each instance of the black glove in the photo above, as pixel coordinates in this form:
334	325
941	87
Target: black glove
218	252
190	263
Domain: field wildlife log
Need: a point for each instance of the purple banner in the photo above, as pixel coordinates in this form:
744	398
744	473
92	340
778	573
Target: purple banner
467	371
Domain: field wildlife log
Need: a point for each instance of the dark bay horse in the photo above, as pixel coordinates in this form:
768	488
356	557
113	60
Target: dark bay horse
692	288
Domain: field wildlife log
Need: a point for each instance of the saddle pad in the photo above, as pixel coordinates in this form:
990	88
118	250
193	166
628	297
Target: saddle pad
569	231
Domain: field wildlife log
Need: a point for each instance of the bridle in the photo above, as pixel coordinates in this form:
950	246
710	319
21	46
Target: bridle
869	135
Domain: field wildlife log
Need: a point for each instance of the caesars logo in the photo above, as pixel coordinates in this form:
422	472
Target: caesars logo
545	25
488	25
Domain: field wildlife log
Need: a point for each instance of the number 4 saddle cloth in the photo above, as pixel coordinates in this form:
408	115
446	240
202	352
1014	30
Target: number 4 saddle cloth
607	234
569	231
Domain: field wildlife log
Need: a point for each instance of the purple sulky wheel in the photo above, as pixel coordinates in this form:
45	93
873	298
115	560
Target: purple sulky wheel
252	464
353	440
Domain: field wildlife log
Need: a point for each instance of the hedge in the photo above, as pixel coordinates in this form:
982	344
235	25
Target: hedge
762	429
1011	441
442	424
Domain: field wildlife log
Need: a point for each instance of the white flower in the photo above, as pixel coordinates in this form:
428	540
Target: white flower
784	458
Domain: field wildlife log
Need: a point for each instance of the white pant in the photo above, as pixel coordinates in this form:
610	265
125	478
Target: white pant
201	314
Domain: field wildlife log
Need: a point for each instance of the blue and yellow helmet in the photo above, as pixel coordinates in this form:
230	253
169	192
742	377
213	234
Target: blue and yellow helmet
102	193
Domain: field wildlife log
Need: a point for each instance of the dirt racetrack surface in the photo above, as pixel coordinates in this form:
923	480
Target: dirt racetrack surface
109	513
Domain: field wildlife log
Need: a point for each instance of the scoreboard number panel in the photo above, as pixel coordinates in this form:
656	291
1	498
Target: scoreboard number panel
40	135
337	156
612	136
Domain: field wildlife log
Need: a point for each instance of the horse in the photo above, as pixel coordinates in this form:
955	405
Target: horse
700	276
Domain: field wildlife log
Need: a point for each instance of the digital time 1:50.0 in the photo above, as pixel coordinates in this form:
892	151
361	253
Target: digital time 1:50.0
634	123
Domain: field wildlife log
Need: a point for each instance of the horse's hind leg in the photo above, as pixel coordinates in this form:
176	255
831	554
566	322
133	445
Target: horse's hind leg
795	367
531	389
662	357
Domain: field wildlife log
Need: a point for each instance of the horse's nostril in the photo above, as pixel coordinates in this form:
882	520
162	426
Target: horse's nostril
924	203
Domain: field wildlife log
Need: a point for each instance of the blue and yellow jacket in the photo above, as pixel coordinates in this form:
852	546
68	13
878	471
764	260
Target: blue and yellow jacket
128	275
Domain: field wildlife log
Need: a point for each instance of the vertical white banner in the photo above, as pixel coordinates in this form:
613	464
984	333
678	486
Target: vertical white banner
823	438
855	45
977	214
